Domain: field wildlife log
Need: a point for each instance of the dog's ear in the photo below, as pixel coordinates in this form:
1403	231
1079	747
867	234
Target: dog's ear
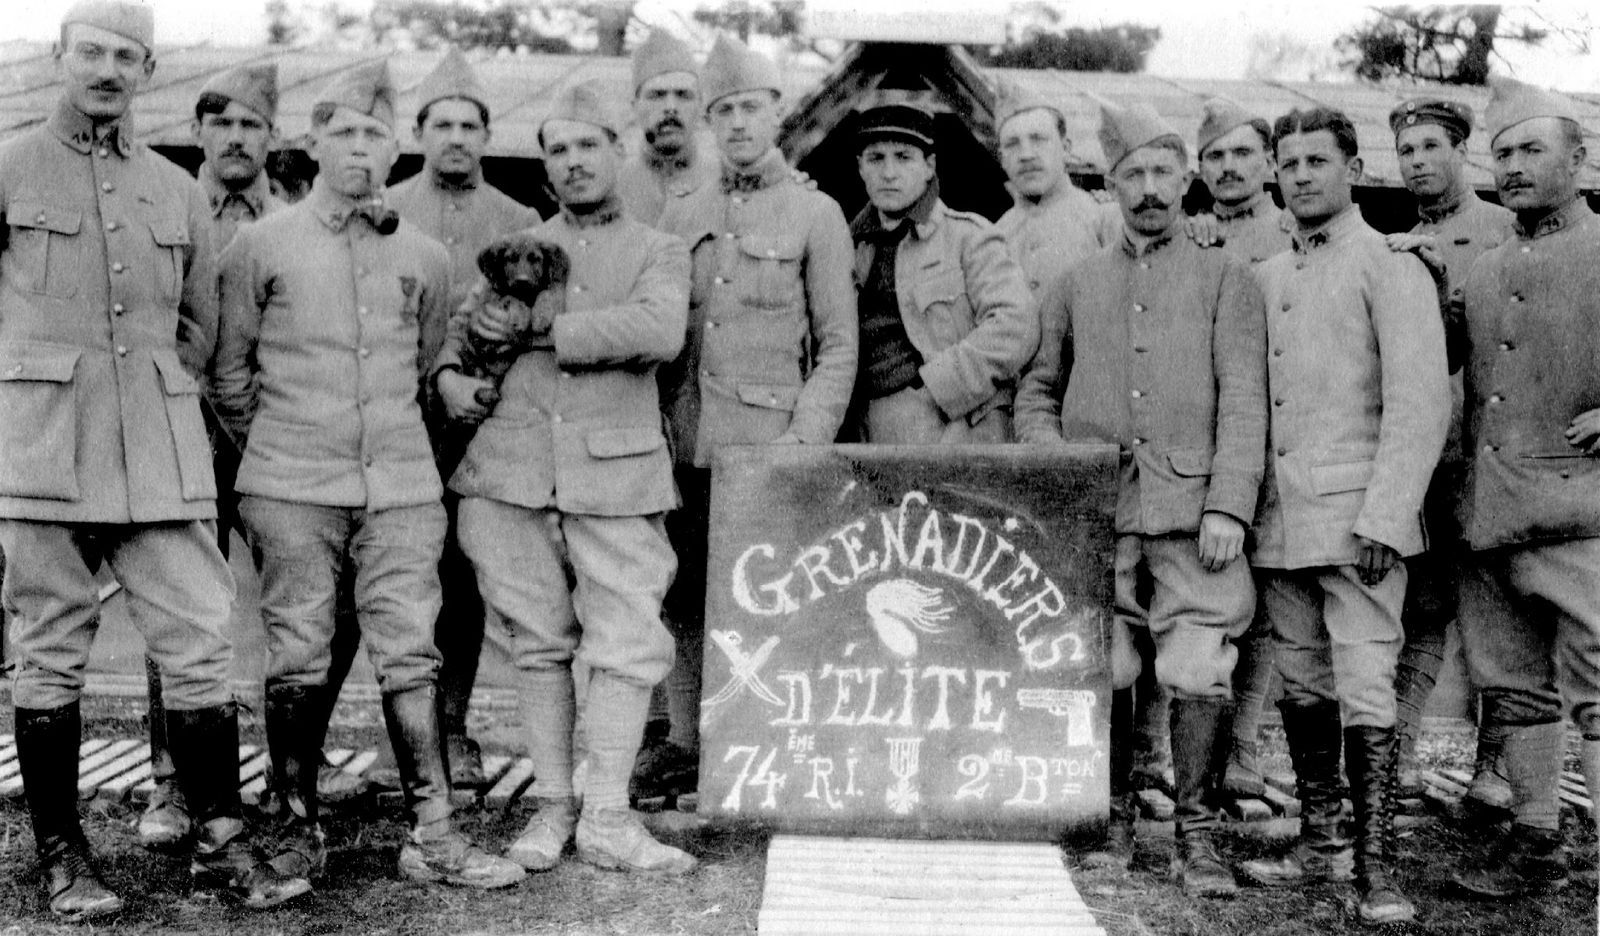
490	263
555	266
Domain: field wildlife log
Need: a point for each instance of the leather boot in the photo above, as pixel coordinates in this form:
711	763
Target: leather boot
609	835
205	748
1528	859
434	851
1152	749
47	754
1196	766
1372	762
1416	672
165	821
1489	794
547	833
292	714
1117	852
1322	852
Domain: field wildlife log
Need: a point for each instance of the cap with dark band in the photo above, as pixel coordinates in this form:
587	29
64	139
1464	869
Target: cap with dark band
900	123
1454	117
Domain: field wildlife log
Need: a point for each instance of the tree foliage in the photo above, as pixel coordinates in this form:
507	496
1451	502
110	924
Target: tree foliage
432	24
779	18
1120	48
1451	44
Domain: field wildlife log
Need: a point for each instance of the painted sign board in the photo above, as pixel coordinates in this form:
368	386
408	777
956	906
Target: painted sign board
909	641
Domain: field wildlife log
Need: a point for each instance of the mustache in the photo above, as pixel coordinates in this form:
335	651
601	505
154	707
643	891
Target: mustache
1152	203
671	120
1230	177
110	86
578	175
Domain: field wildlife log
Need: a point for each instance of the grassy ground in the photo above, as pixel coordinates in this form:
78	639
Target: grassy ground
361	893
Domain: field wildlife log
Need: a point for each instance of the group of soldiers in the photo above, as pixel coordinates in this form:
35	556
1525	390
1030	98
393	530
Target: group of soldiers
1305	488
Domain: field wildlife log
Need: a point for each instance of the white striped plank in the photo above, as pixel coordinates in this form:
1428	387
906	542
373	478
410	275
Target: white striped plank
8	753
105	755
494	767
358	763
11	785
123	756
253	770
5	740
119	788
513	781
337	756
826	885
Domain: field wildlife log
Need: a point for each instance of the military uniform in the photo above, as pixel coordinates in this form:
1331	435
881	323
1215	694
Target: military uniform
322	384
1255	230
1360	405
648	184
107	311
465	219
1159	350
1061	229
230	209
964	310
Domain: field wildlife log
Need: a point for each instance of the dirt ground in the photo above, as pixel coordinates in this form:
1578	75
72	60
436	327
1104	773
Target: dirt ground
362	895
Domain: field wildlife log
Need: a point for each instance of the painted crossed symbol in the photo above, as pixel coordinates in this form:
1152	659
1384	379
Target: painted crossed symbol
744	667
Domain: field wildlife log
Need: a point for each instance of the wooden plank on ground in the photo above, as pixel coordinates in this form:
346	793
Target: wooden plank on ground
12	784
337	756
818	885
1248	809
135	753
511	783
1155	804
105	755
119	788
254	766
359	762
1284	804
1283	782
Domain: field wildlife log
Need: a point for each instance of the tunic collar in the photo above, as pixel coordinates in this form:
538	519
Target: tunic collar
1243	210
1445	205
1137	245
672	165
72	127
252	196
1331	231
336	211
1062	191
609	210
1564	217
765	172
869	223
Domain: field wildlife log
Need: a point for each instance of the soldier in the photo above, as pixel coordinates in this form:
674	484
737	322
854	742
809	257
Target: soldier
1233	146
329	308
449	201
233	122
946	322
770	353
666	100
571	469
1182	326
107	313
1530	509
1053	223
1360	405
1457	226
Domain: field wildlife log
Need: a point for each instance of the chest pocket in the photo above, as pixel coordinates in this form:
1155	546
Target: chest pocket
171	237
776	265
940	295
43	251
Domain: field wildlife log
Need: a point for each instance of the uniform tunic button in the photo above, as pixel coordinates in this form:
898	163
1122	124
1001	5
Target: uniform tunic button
582	242
1287	306
41	219
16	369
1527	250
363	310
122	350
1278	401
451	240
117	268
1138	307
1144	264
772	253
106	186
1505	346
710	325
1565	473
364	352
718	280
555	417
367	461
1138	441
117	308
110	225
577	289
1491	449
1033	284
1140	349
1496	398
1277	352
1137	394
104	152
1282	452
730	235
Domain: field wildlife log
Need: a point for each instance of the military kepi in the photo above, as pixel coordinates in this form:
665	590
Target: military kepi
134	21
1455	118
1513	102
661	53
1125	129
365	89
253	86
897	122
1013	98
586	102
1221	116
453	77
732	68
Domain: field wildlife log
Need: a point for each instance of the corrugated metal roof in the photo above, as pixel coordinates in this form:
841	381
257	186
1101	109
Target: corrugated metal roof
522	87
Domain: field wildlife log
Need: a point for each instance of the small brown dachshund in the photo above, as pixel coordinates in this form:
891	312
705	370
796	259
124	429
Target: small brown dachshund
527	277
